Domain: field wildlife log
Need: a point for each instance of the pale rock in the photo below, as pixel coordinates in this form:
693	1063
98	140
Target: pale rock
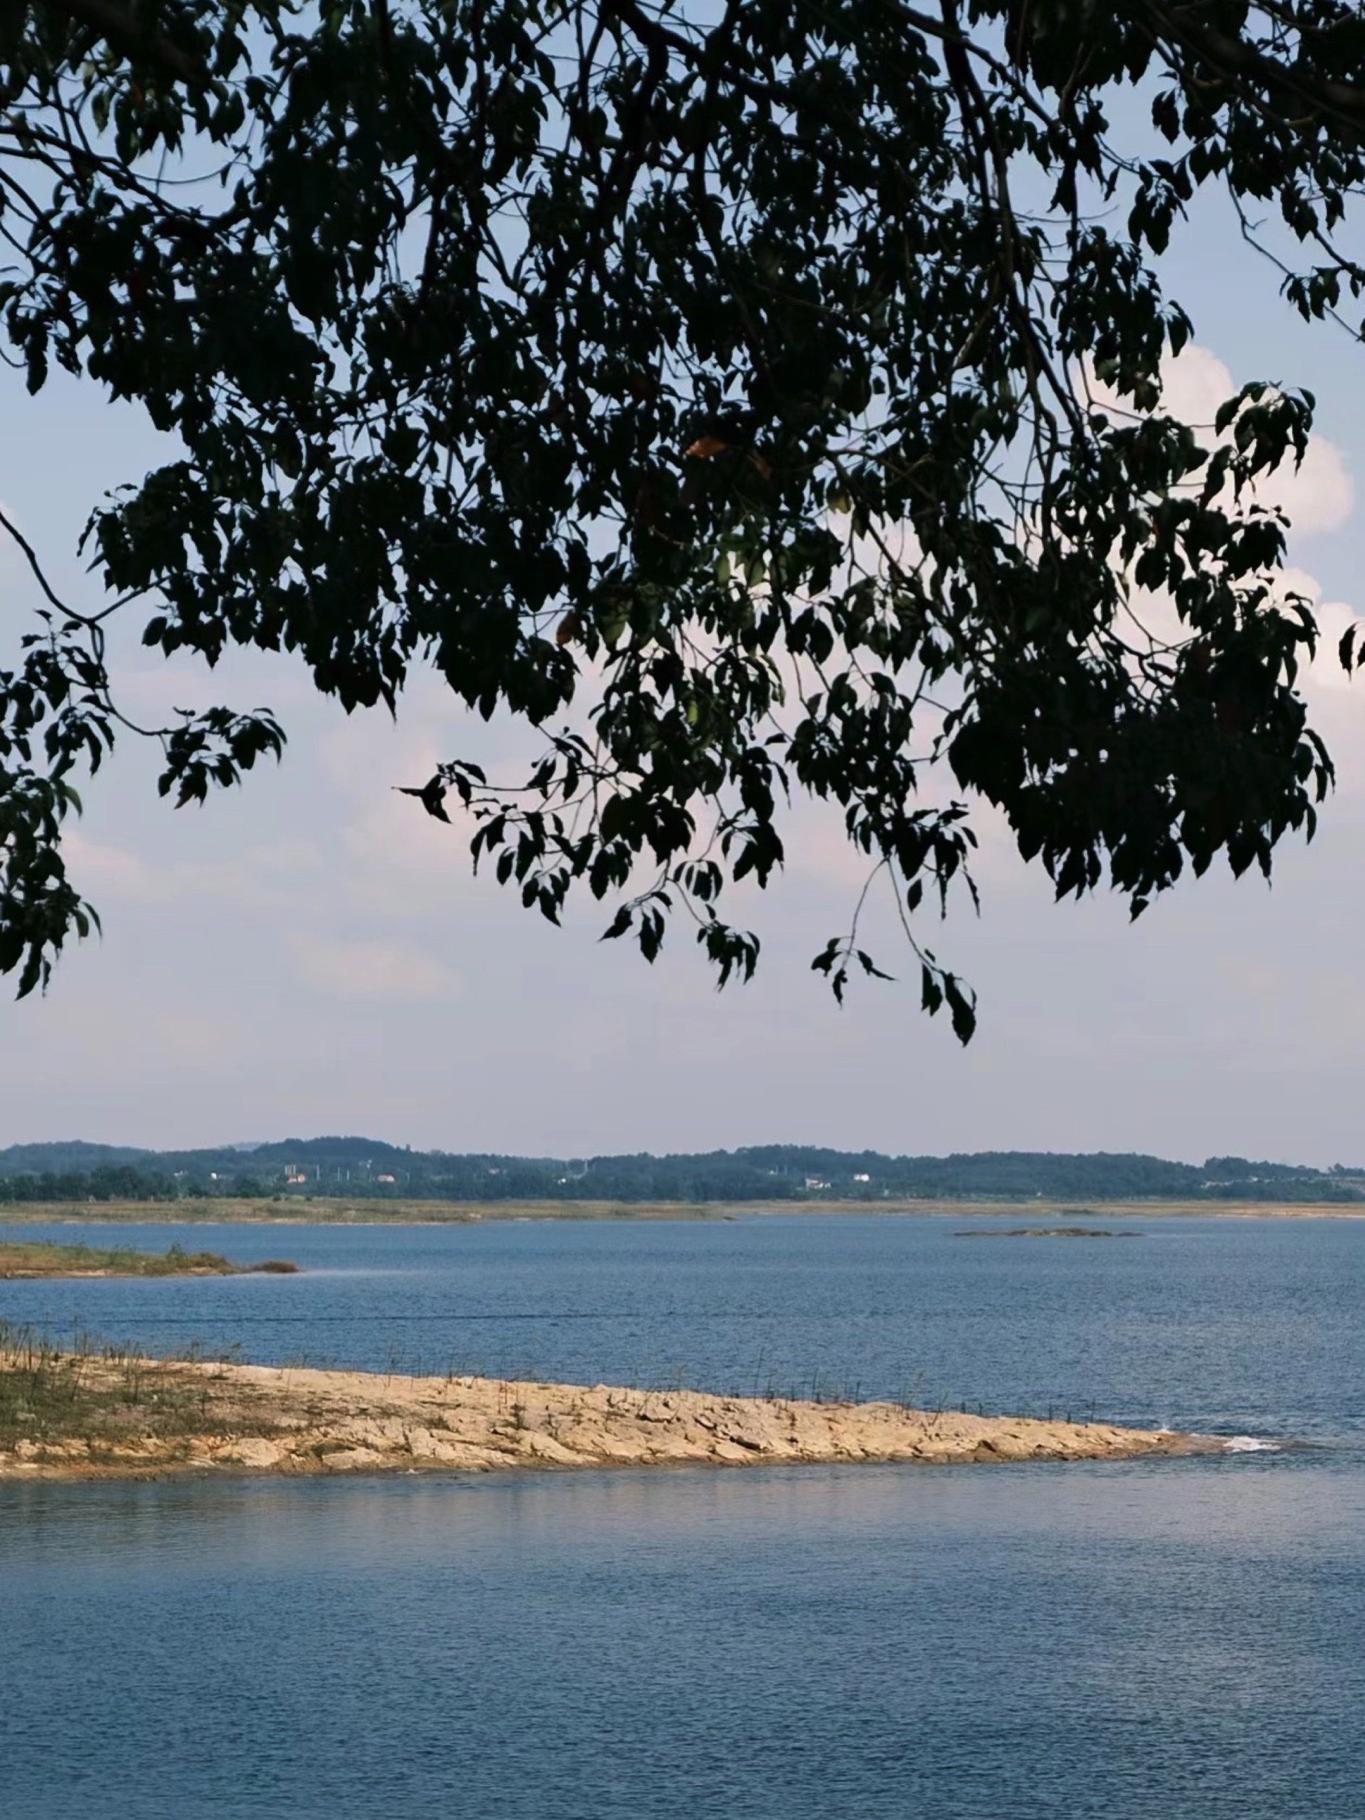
597	1442
727	1450
754	1429
351	1459
545	1447
664	1445
252	1450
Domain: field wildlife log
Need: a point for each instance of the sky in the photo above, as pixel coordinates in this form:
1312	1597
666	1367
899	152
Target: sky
310	953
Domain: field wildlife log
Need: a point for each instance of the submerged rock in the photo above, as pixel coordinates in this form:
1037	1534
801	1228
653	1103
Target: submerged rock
1045	1232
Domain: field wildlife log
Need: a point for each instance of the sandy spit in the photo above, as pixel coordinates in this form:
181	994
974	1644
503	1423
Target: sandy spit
264	1419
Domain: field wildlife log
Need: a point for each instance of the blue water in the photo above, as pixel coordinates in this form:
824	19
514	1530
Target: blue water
1162	1641
1229	1325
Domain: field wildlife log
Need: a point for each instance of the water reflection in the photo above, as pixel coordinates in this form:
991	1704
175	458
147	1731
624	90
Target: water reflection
1170	1639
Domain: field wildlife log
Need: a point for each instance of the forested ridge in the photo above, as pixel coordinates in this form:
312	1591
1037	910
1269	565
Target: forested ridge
354	1167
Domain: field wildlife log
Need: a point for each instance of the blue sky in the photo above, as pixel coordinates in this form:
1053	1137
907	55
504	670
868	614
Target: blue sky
311	954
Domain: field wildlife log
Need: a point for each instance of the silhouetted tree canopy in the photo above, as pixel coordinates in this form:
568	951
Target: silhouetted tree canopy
756	397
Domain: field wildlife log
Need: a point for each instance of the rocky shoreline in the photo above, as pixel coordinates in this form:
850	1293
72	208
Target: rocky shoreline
200	1417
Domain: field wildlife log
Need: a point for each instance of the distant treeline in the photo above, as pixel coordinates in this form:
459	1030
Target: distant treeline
116	1182
362	1167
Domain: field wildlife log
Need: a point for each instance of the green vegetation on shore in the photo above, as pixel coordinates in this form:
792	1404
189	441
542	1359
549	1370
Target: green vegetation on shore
387	1177
33	1259
99	1396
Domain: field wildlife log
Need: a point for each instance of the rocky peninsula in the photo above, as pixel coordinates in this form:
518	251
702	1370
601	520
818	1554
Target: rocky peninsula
69	1416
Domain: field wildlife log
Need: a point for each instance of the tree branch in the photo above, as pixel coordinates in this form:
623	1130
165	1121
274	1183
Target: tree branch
1236	58
118	27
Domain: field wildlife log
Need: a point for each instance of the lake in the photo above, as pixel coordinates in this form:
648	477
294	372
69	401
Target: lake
1172	1638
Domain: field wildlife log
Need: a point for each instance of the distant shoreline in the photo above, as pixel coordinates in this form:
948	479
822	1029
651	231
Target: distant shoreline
338	1211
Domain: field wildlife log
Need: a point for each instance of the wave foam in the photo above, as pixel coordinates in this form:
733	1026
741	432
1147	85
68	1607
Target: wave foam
1250	1444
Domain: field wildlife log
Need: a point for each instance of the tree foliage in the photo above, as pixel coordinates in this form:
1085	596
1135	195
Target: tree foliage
756	398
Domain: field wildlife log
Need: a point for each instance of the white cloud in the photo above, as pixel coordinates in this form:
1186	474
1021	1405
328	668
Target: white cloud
373	970
400	861
1333	617
1318	495
263	877
109	871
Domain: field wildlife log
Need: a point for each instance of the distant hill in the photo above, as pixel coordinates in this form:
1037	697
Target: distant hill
360	1167
20	1159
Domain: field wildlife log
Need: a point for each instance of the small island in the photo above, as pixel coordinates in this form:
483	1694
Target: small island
29	1259
1044	1232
